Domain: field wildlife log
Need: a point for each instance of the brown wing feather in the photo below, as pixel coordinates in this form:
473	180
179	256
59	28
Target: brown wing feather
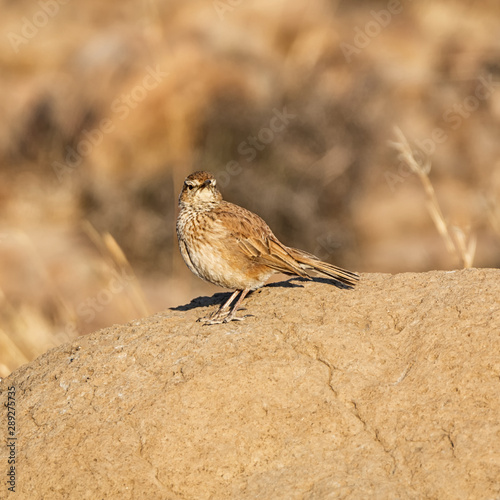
269	251
277	257
256	240
309	261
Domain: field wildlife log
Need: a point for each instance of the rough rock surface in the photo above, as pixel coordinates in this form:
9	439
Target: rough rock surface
391	390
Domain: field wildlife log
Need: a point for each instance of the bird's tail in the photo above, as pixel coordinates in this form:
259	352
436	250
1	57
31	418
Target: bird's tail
309	262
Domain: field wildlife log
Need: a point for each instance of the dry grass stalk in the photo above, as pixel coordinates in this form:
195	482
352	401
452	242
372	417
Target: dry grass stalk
466	245
116	261
462	246
25	329
122	263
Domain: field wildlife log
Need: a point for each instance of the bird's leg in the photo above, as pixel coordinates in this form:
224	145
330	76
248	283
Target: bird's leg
231	316
222	316
222	311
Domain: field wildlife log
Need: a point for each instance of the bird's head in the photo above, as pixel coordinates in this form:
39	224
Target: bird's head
199	188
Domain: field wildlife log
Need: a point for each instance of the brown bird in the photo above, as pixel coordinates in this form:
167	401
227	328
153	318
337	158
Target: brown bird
234	248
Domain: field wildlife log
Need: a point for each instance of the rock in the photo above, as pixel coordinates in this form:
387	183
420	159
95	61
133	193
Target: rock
390	390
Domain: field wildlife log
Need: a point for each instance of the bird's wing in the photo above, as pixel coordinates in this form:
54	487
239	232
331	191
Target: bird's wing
256	240
311	262
273	254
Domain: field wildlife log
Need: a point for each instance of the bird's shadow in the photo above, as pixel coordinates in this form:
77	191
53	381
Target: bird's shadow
220	298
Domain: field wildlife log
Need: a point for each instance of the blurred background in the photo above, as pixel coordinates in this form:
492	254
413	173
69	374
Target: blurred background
107	106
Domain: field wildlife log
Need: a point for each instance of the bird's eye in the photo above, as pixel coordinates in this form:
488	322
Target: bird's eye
190	187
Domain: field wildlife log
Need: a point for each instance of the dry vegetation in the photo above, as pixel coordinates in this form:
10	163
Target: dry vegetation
107	106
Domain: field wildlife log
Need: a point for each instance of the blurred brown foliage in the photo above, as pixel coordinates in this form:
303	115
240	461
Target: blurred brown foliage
107	106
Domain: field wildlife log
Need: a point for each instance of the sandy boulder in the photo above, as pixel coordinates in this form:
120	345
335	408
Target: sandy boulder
390	390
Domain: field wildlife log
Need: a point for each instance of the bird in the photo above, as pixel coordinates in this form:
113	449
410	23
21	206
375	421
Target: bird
234	248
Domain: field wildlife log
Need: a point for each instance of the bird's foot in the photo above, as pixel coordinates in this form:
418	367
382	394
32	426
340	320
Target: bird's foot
226	316
215	317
